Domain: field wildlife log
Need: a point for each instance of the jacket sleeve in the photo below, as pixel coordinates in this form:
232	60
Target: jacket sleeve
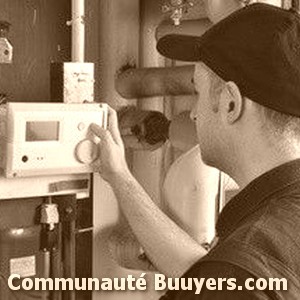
227	277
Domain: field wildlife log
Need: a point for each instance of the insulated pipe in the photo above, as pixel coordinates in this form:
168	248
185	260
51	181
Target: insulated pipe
147	165
219	9
271	2
152	82
189	192
186	27
78	28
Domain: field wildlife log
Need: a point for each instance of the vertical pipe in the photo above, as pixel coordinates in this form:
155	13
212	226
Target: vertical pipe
69	244
147	165
56	263
151	17
118	46
46	272
78	27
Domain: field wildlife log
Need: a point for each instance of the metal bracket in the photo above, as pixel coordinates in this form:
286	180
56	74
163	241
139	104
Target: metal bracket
6	49
4	28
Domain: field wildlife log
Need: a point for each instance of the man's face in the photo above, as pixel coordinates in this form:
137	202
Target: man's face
205	115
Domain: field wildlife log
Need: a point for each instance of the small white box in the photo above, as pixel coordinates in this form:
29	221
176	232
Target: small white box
72	82
51	138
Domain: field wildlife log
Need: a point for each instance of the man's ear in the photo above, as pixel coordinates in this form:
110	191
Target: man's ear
233	102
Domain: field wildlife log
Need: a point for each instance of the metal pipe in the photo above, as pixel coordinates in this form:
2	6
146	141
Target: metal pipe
186	27
78	30
152	161
152	82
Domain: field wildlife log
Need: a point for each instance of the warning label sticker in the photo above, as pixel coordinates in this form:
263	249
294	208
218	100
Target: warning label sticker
23	266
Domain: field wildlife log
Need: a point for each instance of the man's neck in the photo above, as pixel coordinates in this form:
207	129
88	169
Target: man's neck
255	163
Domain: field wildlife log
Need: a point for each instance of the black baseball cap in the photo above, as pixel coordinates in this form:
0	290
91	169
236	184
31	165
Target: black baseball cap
257	47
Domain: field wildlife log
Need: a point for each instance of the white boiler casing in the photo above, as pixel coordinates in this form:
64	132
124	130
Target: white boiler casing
190	193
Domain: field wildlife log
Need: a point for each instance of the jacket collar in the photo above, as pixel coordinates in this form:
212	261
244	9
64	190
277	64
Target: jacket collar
255	194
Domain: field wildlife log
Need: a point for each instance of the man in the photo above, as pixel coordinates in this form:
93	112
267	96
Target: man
247	78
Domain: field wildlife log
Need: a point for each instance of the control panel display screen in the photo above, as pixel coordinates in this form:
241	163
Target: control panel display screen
42	131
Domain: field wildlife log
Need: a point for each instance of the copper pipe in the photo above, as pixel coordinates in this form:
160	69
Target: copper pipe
186	27
151	82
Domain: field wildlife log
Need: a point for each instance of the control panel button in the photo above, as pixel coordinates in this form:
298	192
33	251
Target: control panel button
86	151
81	126
24	158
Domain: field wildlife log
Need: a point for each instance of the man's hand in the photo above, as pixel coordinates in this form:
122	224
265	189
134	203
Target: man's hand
111	160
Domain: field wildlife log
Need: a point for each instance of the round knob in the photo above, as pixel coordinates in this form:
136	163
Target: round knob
86	151
81	126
